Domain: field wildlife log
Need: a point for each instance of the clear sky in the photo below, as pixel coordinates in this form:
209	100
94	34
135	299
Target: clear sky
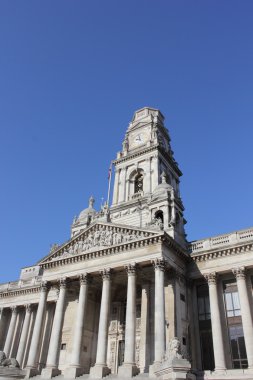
72	73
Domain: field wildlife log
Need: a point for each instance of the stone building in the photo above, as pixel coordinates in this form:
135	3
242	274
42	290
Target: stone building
113	298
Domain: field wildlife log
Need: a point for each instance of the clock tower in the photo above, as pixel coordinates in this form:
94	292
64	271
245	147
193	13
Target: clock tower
146	182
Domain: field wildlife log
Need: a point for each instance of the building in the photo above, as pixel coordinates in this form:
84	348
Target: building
127	283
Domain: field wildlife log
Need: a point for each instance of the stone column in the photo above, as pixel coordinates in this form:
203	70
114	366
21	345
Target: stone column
122	185
75	369
245	313
129	368
100	369
155	171
159	338
116	187
194	329
218	344
144	339
24	335
32	362
147	187
11	330
51	369
2	328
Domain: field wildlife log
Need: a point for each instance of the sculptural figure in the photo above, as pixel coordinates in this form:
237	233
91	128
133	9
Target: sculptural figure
8	362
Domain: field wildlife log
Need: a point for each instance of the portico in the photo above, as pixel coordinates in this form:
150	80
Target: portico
127	295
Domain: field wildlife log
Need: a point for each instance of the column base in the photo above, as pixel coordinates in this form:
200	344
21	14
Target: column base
99	371
48	373
73	372
128	370
220	371
31	372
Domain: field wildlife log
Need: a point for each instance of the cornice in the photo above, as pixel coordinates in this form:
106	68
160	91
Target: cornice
17	292
171	243
138	153
216	254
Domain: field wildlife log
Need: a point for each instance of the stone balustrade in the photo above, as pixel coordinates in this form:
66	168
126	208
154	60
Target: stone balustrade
237	237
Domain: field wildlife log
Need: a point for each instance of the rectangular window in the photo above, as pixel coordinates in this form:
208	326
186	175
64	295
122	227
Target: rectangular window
205	328
234	321
63	346
238	350
203	304
232	301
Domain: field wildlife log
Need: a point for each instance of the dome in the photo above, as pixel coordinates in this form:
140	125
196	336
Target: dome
163	188
89	211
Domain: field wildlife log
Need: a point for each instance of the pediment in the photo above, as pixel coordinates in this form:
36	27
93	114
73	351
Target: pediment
98	236
140	124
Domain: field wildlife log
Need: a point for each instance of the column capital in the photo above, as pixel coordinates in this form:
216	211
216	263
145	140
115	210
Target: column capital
28	308
44	286
159	264
131	269
14	309
211	278
63	282
239	273
106	274
84	279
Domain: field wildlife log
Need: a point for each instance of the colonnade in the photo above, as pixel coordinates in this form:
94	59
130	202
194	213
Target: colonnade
217	327
75	368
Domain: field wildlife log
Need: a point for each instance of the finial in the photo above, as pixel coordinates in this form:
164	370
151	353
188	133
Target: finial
164	177
91	202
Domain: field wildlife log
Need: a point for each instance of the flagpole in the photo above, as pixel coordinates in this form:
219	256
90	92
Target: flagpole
109	184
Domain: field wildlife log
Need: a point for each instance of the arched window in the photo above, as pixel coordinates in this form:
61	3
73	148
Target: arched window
138	183
159	216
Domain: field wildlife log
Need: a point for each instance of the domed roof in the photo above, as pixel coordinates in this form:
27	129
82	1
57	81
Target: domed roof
163	188
89	211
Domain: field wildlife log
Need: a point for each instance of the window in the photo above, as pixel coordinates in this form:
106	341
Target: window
159	216
63	346
238	350
138	183
234	323
182	297
203	303
232	304
205	328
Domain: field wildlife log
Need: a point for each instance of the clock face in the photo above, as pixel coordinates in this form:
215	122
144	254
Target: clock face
137	138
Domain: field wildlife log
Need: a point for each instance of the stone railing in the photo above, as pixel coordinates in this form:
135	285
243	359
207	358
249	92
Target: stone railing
20	284
221	240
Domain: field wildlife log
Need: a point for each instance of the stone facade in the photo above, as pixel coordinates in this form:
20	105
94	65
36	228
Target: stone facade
127	295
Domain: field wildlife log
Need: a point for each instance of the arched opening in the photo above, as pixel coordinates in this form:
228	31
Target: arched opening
138	183
159	216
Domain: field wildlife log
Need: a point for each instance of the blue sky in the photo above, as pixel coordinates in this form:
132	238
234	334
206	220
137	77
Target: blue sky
72	73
